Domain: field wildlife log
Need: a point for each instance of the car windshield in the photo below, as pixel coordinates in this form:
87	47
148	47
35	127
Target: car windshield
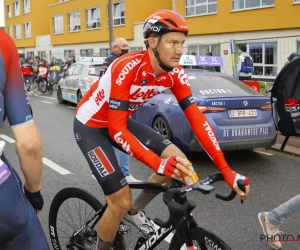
218	86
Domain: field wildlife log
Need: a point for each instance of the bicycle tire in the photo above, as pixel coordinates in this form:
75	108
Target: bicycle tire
50	88
59	199
205	239
44	89
63	195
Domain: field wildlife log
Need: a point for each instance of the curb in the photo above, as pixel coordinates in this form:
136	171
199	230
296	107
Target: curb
287	149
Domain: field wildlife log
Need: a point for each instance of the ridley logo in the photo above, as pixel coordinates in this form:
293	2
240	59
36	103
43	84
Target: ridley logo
211	135
100	161
155	237
128	67
123	143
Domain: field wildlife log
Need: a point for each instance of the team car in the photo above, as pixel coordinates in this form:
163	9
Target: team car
77	80
240	116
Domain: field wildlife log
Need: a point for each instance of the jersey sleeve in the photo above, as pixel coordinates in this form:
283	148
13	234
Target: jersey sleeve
15	100
197	120
118	116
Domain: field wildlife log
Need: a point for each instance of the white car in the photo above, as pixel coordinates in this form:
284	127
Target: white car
77	80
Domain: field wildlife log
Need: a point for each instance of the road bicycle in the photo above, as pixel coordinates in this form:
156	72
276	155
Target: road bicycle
83	233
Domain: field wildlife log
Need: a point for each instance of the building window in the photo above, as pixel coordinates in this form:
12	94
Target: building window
8	11
86	52
18	31
93	18
132	49
202	50
26	6
74	21
104	52
27	30
9	30
42	54
119	13
247	4
298	46
69	54
200	7
264	57
17	8
30	54
58	24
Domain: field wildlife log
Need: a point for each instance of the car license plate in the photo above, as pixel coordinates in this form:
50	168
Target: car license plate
242	113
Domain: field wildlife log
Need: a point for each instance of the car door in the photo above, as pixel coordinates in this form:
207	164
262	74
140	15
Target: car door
74	83
65	82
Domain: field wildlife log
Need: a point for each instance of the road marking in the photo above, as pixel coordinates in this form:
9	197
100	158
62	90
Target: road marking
52	98
47	102
55	167
8	139
261	152
70	107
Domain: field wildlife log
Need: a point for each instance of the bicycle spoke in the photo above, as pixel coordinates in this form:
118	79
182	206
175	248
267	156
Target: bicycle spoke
68	211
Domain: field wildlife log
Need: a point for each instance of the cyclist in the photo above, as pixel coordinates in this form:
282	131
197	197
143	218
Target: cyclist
102	119
41	73
27	71
19	225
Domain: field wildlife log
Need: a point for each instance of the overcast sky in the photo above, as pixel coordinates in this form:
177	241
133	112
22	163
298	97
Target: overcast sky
1	13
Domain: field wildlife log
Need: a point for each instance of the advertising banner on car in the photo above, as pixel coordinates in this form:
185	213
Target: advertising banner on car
192	60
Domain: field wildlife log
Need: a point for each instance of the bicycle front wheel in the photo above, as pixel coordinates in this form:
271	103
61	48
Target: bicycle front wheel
43	86
69	210
202	239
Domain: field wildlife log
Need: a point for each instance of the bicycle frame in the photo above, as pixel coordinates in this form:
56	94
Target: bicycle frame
182	225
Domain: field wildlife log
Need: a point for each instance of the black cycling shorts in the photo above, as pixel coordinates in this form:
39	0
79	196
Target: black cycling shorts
96	145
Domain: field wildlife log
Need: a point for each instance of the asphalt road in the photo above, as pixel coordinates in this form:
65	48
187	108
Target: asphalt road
274	178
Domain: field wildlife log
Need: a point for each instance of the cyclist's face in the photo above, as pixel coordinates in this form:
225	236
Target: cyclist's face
170	48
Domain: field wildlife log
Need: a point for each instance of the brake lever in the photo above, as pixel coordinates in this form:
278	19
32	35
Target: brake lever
241	185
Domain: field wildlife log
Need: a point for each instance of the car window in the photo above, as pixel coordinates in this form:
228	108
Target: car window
77	70
70	70
96	69
218	85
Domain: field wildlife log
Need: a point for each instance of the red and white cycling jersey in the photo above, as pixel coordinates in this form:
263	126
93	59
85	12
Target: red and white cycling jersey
128	83
43	71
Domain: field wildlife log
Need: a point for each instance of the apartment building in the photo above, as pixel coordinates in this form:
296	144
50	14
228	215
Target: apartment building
72	28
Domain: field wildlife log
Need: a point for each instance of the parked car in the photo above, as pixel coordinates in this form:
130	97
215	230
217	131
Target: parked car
241	117
77	80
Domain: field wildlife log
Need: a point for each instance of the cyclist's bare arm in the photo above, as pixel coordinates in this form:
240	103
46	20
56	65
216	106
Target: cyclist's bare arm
28	147
28	143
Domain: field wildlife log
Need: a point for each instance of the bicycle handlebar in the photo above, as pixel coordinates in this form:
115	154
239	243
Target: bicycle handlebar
183	209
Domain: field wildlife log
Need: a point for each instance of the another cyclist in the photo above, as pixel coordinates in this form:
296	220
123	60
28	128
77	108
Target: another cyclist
19	225
41	73
102	119
27	71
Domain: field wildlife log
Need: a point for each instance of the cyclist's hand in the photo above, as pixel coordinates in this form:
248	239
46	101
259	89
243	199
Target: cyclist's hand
36	199
231	177
172	167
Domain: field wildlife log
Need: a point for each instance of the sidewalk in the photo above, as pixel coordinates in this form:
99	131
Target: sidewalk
292	146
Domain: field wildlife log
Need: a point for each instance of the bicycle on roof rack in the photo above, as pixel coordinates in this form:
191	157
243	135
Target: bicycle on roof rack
67	233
